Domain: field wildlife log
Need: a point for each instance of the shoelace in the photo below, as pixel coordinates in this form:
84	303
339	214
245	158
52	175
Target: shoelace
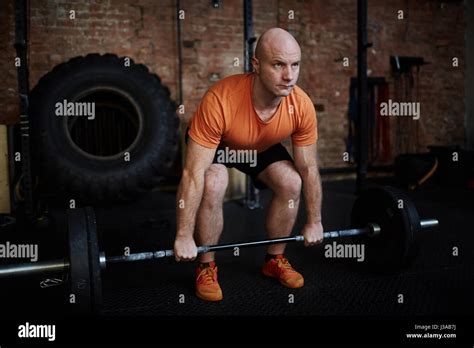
207	276
284	266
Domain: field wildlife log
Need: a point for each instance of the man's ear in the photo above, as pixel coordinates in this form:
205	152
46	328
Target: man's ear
255	65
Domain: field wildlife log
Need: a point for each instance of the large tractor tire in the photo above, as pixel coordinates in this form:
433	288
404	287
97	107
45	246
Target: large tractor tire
120	152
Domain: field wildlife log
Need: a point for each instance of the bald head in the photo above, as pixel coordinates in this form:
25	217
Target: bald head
276	41
276	64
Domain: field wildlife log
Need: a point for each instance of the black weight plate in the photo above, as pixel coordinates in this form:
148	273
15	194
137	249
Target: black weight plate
79	268
413	226
94	261
395	246
84	267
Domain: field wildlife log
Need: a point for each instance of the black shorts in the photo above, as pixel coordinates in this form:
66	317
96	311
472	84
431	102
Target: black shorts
271	155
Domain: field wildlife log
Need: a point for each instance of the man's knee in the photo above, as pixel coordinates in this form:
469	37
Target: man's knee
216	181
294	185
290	185
283	178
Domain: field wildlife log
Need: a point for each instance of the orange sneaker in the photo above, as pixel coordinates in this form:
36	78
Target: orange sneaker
280	268
207	287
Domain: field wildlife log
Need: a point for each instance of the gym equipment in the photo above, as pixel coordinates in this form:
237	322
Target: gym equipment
84	267
384	218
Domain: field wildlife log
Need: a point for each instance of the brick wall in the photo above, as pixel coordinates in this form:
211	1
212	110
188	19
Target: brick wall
145	30
9	96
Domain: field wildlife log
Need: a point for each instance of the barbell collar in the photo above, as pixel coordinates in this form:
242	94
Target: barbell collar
102	261
373	230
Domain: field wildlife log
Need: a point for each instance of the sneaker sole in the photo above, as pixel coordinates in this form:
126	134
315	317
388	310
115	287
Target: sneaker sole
270	275
210	299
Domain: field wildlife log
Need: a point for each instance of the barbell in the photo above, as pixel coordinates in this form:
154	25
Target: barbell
384	218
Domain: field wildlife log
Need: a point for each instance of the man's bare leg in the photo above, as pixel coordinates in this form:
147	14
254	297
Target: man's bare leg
285	182
210	218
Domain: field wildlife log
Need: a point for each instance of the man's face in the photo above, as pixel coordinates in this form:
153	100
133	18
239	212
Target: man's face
278	69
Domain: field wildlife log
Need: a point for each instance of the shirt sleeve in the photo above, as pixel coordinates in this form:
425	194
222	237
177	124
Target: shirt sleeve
306	132
207	124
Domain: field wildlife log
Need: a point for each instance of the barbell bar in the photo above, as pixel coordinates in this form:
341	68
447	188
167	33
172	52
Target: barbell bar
371	230
55	266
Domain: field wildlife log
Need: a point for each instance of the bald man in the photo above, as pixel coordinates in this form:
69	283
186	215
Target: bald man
251	113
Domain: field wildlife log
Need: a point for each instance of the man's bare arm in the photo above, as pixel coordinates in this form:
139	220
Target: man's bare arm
307	166
190	191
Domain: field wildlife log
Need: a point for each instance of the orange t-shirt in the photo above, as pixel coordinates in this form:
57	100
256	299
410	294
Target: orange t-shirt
226	117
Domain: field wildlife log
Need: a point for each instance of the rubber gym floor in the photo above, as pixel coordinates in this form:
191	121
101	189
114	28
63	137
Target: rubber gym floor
437	283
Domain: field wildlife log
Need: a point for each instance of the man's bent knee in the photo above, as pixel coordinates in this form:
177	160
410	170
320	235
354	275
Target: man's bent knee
216	181
283	178
292	185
